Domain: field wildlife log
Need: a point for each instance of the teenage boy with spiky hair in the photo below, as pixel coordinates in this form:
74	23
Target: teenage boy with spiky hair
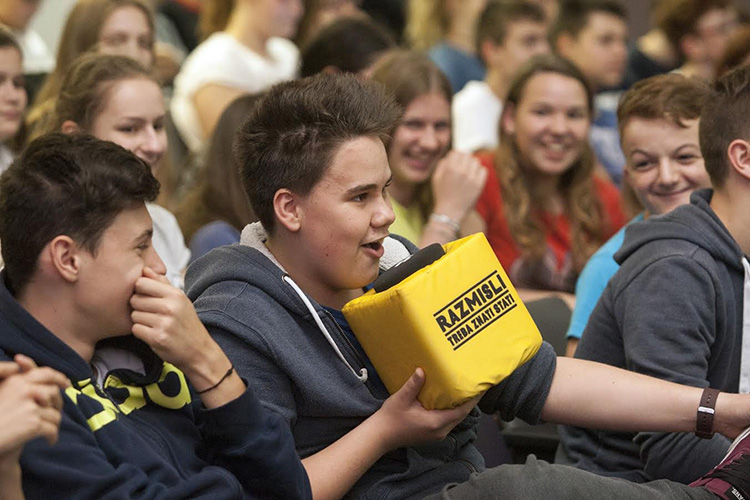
314	164
159	414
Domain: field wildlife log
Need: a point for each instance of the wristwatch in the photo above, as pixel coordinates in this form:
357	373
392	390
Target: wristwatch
704	425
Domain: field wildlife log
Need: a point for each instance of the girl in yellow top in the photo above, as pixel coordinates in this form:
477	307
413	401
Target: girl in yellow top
433	190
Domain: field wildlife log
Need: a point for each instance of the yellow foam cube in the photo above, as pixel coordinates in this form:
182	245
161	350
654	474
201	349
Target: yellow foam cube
459	319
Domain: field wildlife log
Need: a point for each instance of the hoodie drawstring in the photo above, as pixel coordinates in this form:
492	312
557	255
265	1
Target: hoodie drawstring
745	358
362	375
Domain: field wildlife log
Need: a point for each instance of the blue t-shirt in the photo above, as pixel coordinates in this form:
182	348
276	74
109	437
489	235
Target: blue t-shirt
459	66
593	280
212	235
605	136
372	374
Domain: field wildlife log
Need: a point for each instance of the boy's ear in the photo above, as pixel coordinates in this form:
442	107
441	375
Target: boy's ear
69	127
508	119
62	256
487	51
286	207
563	44
739	157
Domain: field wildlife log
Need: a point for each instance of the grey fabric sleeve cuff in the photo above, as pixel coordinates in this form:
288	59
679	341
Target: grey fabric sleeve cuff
525	391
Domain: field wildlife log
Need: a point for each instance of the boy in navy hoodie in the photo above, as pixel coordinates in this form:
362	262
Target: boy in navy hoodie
160	414
314	164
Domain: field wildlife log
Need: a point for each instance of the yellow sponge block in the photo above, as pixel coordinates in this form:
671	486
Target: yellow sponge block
459	318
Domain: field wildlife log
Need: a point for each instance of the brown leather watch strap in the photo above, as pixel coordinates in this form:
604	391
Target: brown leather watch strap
704	425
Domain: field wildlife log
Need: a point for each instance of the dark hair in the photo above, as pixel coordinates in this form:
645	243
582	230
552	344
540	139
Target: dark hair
582	206
677	18
65	184
218	194
724	119
290	139
8	39
671	96
498	16
574	15
85	89
350	44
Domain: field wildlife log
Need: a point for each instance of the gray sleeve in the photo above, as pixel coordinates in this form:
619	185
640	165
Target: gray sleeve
667	317
525	391
256	366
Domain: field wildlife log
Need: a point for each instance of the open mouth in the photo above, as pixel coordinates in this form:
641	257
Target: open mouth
375	248
375	245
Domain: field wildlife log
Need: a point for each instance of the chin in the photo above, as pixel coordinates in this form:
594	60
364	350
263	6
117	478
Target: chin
363	279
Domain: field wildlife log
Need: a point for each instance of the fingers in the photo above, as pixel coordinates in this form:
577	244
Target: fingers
148	303
458	172
47	376
152	286
8	368
25	362
49	424
46	396
150	273
410	390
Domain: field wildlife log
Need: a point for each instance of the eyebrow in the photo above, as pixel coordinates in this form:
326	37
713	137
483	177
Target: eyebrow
143	119
145	235
366	187
681	146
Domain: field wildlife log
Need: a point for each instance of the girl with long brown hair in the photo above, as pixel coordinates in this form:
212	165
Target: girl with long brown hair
545	211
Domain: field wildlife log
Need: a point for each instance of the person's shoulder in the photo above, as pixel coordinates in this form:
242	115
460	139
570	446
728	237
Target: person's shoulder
281	48
235	281
474	93
661	257
214	52
212	235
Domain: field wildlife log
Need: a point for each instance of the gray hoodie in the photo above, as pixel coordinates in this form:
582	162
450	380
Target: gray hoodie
673	311
303	367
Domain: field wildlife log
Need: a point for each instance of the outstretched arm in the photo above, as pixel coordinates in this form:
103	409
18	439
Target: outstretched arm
599	396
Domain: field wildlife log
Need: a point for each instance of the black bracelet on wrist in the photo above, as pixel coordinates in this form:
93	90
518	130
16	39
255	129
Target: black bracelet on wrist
222	379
